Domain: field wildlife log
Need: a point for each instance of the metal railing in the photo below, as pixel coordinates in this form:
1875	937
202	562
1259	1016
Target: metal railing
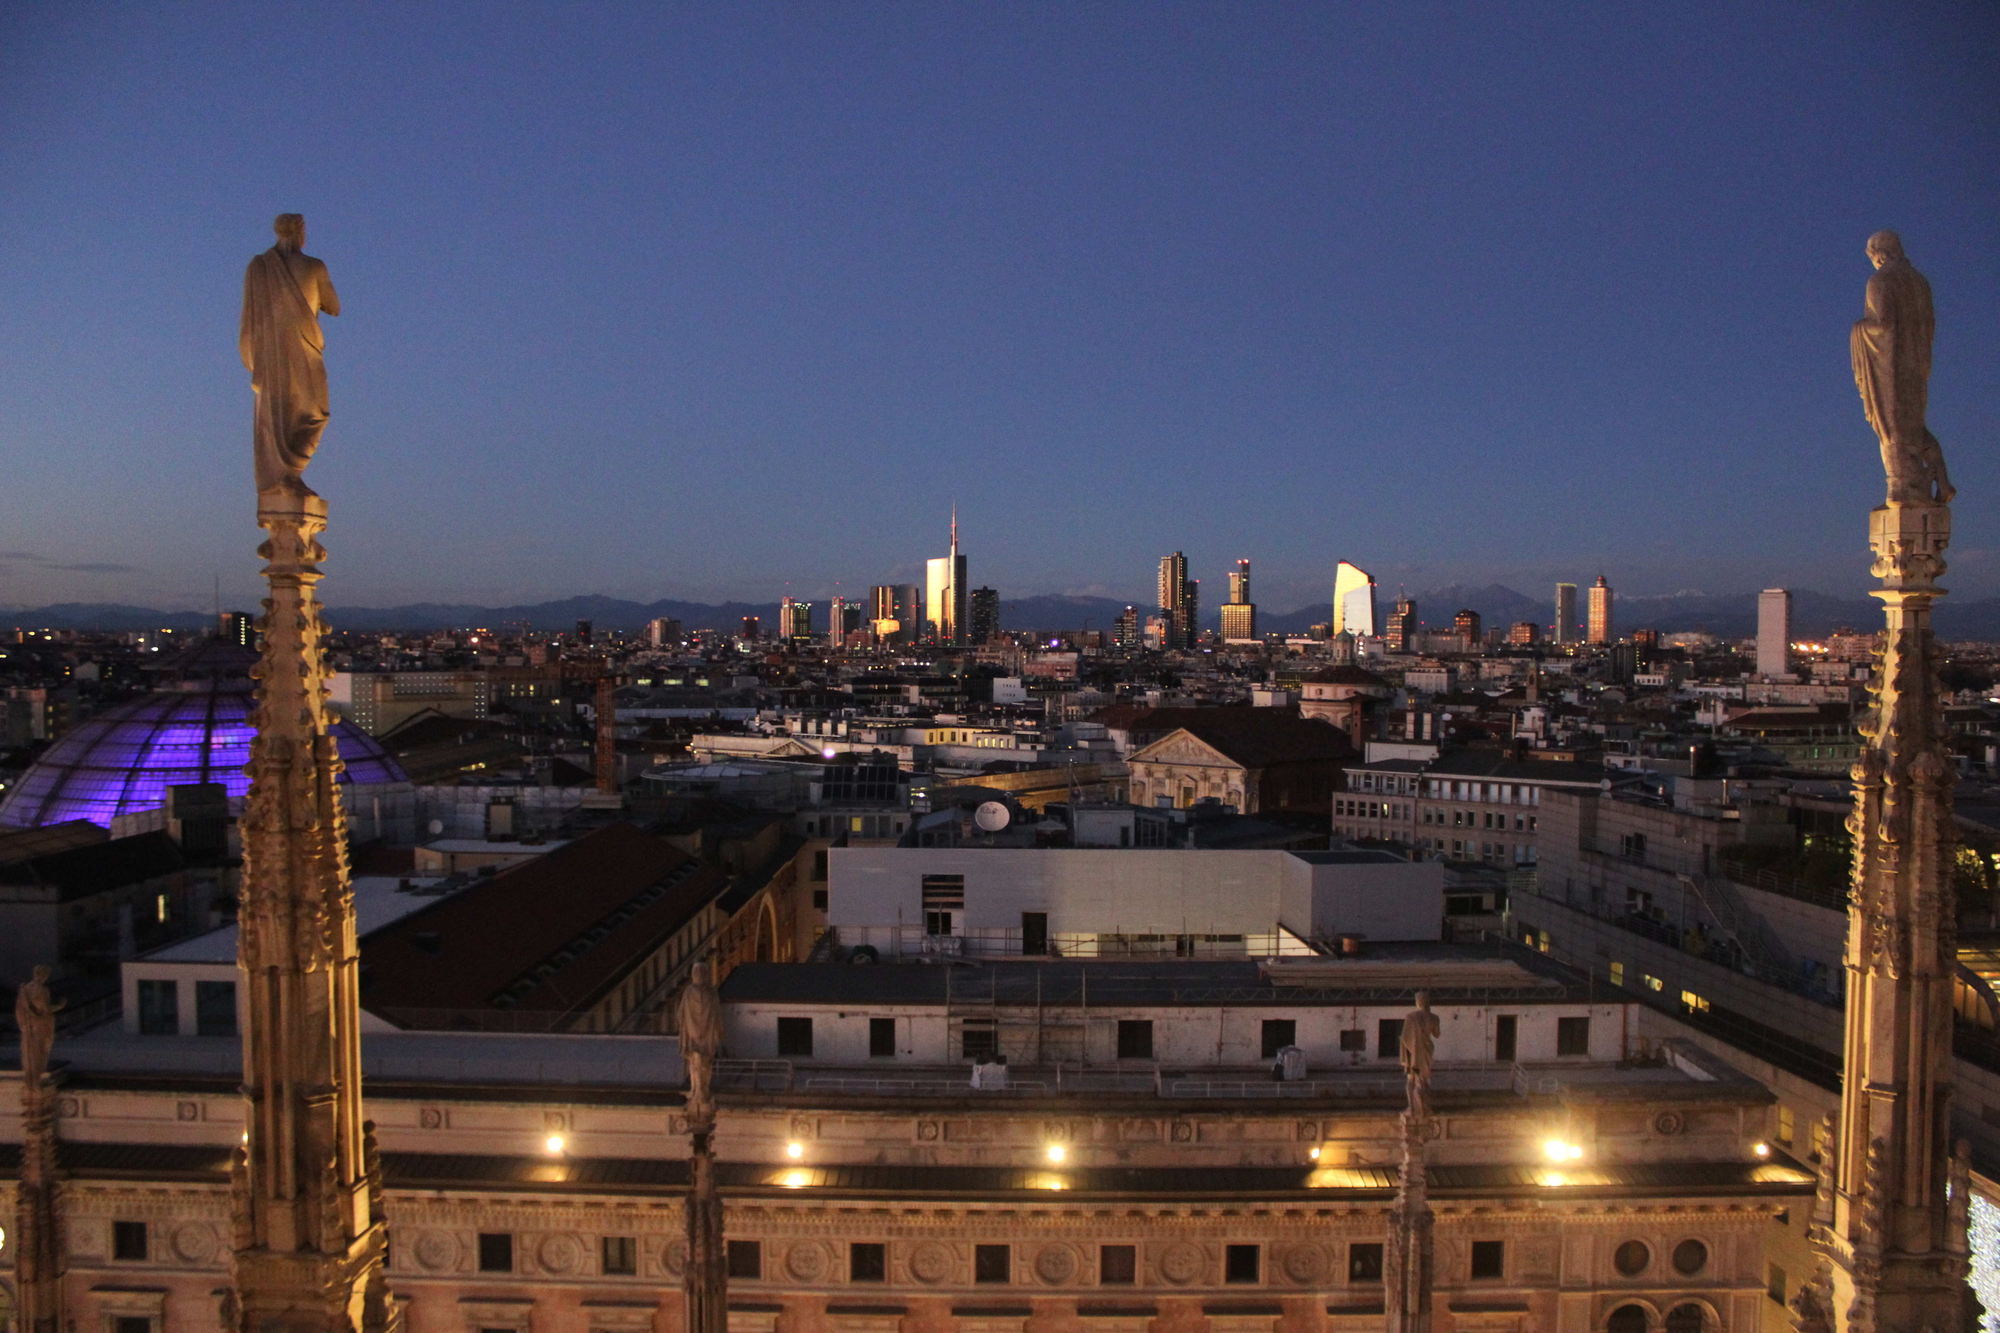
910	941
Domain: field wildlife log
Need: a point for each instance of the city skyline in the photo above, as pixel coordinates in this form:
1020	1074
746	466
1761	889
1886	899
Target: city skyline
870	279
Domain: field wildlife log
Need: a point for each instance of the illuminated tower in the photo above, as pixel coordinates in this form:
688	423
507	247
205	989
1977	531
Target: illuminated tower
1600	630
1353	601
1177	601
1239	613
945	593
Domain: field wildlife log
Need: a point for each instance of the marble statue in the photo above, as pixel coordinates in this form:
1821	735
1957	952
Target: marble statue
700	1021
285	290
1891	346
1420	1033
35	1016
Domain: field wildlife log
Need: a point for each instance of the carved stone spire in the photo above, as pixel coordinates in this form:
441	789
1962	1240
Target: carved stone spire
309	1237
38	1257
1893	1263
706	1279
1408	1267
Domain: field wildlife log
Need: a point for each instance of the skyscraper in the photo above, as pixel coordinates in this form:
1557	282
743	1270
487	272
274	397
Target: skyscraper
237	627
984	607
1239	613
1774	632
1177	601
1466	623
1128	634
1402	627
1353	600
1601	630
945	593
842	618
1565	613
795	619
663	632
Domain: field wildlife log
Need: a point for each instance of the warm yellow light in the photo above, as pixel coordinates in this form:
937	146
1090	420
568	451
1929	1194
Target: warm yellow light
1056	1153
1556	1149
1762	1150
794	1179
554	1143
795	1150
1575	1151
1314	1154
1552	1179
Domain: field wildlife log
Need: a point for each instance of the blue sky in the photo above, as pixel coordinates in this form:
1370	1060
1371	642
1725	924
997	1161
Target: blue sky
732	300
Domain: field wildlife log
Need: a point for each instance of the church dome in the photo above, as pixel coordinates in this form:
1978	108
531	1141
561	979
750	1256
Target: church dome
123	760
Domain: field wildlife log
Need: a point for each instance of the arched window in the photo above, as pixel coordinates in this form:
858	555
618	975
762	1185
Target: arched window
1627	1319
1685	1319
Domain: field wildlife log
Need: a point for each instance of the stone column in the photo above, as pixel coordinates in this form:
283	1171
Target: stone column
309	1238
1408	1267
38	1256
707	1274
1890	1261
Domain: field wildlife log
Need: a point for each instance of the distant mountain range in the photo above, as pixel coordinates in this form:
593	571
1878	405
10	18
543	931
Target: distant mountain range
1731	615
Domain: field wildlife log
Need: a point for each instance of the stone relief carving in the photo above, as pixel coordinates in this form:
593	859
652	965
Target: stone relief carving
930	1263
560	1253
1304	1264
1181	1263
193	1242
807	1261
437	1251
1056	1264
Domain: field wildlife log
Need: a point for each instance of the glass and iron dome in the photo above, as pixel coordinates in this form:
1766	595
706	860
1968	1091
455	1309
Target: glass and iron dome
123	760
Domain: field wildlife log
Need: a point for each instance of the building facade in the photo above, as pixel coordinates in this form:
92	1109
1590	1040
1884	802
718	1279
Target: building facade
1601	627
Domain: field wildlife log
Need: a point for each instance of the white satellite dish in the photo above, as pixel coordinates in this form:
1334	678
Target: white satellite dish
437	827
992	816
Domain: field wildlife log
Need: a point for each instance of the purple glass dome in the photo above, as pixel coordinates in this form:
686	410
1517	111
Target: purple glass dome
124	759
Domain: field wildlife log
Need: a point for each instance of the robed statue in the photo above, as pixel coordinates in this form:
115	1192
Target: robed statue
1892	366
699	1015
285	290
35	1016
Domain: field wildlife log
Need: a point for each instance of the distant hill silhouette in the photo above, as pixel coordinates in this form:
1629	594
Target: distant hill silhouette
1730	615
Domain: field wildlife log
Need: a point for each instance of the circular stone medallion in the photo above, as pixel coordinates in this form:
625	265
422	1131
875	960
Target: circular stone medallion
806	1261
1304	1263
1055	1265
560	1253
674	1257
436	1250
930	1263
193	1243
1181	1263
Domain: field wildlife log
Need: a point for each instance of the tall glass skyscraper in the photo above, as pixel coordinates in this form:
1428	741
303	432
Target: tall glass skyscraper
1354	601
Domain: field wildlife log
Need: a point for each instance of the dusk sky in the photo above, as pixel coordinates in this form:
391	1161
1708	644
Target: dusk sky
730	300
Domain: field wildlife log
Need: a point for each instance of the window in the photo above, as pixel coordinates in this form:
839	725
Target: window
819	865
128	1241
1690	1257
1633	846
746	1259
1774	1283
1364	1262
992	1263
1354	1039
496	1252
1618	974
881	1038
1389	1039
1034	933
978	1041
819	900
944	902
1278	1034
795	1036
620	1256
1631	1258
1135	1039
867	1261
160	1008
1239	1263
1489	1258
1787	1126
215	1008
1506	1031
1117	1265
1572	1036
132	1323
1652	982
1693	1003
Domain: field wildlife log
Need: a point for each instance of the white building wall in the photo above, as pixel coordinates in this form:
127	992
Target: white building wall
1132	891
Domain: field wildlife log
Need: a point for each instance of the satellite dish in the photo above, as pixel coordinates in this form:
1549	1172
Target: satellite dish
437	827
992	816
